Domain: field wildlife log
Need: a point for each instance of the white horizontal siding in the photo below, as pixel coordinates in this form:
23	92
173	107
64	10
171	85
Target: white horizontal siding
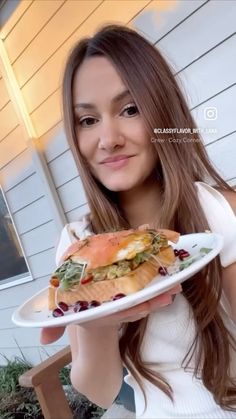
223	154
15	18
232	182
32	216
159	18
8	120
11	147
33	354
13	297
54	143
35	241
4	97
202	31
29	27
19	336
17	197
19	168
72	194
46	42
63	168
77	213
203	79
225	122
42	263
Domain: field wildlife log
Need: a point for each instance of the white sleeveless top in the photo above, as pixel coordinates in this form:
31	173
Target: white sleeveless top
171	330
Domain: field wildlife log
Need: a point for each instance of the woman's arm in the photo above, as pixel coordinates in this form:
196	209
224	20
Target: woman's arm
96	363
73	339
97	370
229	273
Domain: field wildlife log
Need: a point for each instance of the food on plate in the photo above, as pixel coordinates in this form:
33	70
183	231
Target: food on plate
110	266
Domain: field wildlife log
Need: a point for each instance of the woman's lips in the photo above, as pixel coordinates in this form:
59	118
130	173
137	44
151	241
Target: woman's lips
117	164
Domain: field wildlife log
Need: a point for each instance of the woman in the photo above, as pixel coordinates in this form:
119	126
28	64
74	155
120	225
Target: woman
180	352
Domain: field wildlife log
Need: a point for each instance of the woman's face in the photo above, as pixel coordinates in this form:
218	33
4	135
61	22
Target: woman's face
110	131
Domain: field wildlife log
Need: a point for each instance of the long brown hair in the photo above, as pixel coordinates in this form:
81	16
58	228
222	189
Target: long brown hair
161	104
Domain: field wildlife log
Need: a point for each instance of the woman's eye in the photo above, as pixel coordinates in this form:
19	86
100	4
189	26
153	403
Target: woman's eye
86	122
131	110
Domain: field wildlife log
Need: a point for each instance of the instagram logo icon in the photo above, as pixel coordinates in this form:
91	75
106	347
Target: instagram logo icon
210	113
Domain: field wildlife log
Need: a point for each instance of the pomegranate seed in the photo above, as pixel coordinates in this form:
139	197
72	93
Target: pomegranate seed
94	303
86	280
57	312
184	255
176	252
78	308
182	251
81	303
63	306
118	296
162	271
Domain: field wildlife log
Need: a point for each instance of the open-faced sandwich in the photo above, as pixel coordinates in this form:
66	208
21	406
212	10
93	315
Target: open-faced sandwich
103	266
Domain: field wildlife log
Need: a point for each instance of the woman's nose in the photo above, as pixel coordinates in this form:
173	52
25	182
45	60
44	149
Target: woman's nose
110	136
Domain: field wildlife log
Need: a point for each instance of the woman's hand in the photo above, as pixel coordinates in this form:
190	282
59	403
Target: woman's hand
51	334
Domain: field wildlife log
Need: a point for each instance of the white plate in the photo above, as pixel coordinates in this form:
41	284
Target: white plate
34	312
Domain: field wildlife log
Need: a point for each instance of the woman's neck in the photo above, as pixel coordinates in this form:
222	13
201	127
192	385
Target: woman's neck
142	204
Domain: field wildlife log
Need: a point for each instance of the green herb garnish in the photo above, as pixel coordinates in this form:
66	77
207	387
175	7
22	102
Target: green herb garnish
205	250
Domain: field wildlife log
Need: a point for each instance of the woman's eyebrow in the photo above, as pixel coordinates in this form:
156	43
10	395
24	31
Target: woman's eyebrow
115	99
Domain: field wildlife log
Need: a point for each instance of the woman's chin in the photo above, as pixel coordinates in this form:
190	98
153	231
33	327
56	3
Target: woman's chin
118	187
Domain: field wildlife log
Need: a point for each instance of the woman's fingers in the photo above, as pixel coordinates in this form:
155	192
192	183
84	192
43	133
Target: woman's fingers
150	306
51	334
146	307
175	290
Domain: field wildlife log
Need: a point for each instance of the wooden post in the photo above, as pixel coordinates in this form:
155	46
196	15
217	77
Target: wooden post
44	378
52	399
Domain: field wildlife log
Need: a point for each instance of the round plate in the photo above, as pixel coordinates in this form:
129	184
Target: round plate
34	312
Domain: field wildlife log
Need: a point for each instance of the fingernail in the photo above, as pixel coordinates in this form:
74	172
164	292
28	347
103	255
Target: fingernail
143	313
167	303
